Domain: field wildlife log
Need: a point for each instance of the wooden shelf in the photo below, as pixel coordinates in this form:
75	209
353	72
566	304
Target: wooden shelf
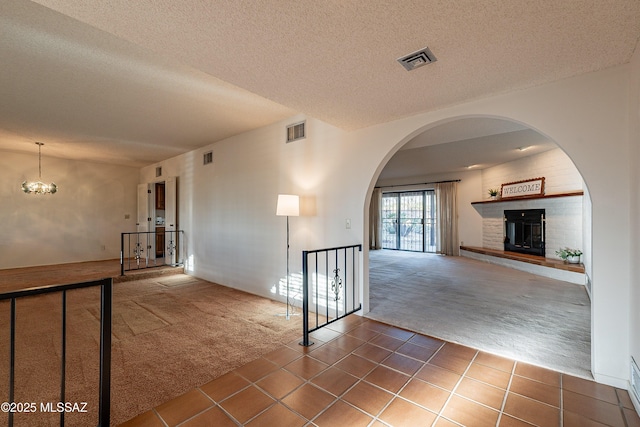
517	199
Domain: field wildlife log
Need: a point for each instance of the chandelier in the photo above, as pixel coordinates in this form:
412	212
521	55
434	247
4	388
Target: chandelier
39	187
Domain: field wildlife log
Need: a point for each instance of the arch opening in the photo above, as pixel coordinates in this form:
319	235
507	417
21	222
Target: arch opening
483	152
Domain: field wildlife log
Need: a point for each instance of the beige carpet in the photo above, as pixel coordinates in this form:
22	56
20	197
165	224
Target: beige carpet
496	309
170	335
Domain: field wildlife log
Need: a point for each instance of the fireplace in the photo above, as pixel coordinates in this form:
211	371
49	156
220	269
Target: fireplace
524	231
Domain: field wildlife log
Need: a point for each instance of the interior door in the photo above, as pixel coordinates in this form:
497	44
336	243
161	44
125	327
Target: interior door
171	224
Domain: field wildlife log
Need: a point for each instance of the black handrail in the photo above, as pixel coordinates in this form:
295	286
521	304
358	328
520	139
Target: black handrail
135	248
106	303
338	288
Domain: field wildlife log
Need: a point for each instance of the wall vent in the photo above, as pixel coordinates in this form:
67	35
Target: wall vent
417	59
296	131
635	379
207	158
158	171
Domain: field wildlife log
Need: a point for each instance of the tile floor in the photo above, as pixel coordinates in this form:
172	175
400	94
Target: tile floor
361	372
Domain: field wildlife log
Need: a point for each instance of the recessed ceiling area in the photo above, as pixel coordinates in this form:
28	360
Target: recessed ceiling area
457	145
137	82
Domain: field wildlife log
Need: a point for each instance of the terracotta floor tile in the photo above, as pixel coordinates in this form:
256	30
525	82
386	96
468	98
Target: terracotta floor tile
427	342
184	407
633	420
539	374
247	404
457	350
496	362
481	393
624	398
386	341
452	363
347	342
591	408
256	369
368	398
386	378
282	356
416	351
403	364
401	334
329	353
363	332
346	324
279	383
146	419
439	376
334	380
306	367
571	419
211	417
342	414
443	422
532	411
401	413
489	375
356	365
536	390
324	334
590	388
468	413
372	352
509	421
308	401
224	386
277	415
425	394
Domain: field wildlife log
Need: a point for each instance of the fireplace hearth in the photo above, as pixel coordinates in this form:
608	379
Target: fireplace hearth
524	231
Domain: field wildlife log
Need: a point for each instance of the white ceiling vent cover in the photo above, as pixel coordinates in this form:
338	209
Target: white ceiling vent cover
417	59
296	131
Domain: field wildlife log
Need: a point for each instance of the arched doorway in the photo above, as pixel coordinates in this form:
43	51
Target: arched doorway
486	152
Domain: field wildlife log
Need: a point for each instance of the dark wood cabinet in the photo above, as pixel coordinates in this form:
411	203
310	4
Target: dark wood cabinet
160	196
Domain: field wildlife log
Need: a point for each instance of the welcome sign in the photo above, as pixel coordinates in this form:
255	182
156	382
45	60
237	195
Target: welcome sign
530	187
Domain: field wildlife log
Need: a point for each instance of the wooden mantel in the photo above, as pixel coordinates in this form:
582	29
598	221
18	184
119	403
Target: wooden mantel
518	199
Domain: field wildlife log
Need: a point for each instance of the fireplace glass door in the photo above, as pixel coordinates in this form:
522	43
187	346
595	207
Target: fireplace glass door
524	231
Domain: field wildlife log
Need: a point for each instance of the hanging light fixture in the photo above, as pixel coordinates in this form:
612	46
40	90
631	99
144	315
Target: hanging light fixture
39	187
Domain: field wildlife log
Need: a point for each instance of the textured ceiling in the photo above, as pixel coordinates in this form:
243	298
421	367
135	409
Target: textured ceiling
138	81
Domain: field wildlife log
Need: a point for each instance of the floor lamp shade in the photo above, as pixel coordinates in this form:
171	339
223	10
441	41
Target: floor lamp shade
288	205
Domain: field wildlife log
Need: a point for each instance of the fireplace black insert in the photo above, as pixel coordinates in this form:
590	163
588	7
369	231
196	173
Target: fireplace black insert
524	231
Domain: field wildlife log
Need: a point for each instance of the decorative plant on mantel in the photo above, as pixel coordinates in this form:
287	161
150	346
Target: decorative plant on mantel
572	256
493	193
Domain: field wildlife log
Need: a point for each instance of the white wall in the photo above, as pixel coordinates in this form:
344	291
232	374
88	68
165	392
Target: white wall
634	161
227	208
236	239
81	222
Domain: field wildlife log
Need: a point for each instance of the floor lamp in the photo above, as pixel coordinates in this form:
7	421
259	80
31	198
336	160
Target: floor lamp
288	205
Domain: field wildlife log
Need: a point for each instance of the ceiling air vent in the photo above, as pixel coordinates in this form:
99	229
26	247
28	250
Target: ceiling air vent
417	59
207	158
296	132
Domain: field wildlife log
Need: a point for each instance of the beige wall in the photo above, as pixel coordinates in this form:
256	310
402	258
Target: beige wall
81	222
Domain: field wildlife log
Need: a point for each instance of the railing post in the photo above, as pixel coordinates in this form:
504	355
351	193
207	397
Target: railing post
305	301
106	300
12	356
122	254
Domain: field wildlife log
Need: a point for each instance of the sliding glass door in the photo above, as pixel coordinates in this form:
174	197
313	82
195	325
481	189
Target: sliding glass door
408	221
